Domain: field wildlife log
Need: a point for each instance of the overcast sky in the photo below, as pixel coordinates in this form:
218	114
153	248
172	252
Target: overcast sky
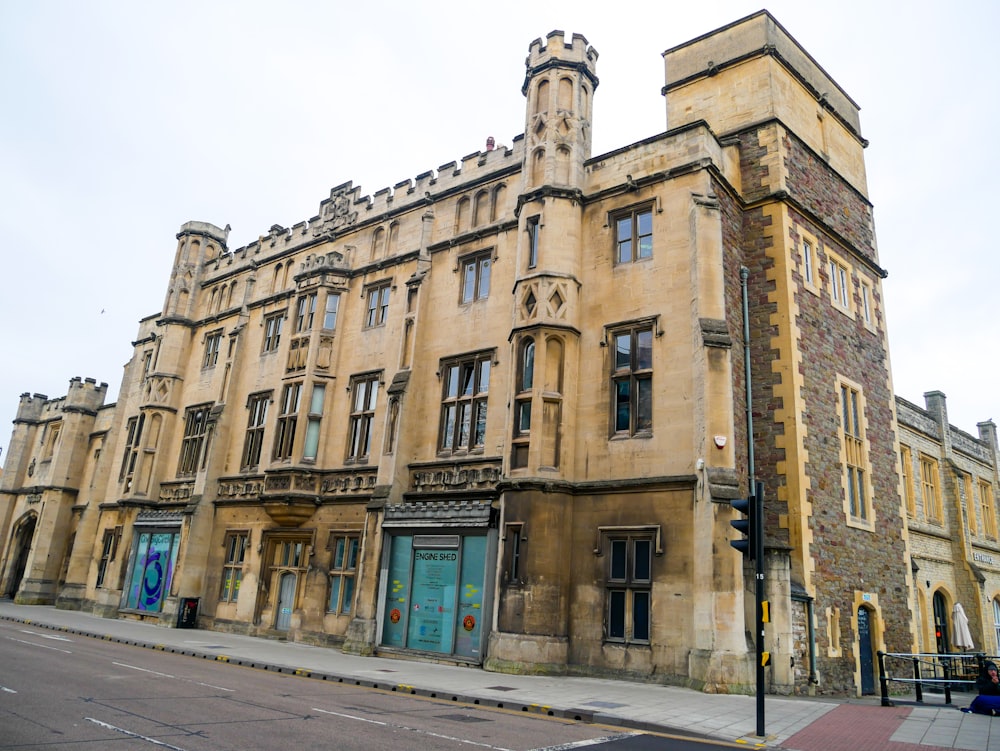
122	120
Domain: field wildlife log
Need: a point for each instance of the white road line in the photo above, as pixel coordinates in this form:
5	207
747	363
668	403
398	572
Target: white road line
40	646
133	735
412	730
45	636
590	742
144	670
209	685
167	675
7	690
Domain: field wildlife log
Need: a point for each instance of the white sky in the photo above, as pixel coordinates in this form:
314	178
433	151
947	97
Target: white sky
122	120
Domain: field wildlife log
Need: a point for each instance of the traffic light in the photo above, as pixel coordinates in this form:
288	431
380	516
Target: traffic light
745	525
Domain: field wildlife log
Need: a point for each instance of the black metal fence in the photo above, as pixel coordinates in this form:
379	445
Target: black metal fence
929	671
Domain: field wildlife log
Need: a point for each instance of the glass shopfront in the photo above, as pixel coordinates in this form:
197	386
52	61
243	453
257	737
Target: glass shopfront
434	594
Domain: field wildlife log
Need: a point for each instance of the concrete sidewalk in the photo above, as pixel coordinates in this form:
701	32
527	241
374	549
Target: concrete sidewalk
790	723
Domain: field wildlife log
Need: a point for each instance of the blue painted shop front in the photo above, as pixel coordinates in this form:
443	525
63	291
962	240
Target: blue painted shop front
436	593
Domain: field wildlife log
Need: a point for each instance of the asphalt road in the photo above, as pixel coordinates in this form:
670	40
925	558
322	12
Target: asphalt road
61	691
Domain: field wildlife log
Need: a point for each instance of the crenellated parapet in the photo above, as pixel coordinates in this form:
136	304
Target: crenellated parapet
346	209
555	51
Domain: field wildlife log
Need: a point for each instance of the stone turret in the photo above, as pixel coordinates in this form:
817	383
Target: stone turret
197	243
559	83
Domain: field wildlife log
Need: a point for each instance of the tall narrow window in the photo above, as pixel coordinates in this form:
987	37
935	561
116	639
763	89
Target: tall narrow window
133	438
970	504
343	569
378	305
906	462
213	342
633	235
364	393
272	331
476	277
288	417
996	623
257	414
195	430
533	230
312	425
629	588
522	403
855	461
109	549
839	289
808	262
465	384
232	569
987	509
305	310
930	489
512	564
632	380
330	314
866	303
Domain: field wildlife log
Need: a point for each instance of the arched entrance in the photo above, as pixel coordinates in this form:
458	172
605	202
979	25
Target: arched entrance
941	624
22	546
865	651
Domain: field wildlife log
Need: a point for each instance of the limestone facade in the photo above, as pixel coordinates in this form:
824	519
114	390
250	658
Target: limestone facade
496	414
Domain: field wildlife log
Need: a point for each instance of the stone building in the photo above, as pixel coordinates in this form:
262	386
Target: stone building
949	489
497	413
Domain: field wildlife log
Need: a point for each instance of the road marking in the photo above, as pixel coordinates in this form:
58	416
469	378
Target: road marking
167	675
8	690
40	646
144	670
129	733
412	730
590	742
45	636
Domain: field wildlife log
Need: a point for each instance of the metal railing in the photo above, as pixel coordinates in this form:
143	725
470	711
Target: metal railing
938	672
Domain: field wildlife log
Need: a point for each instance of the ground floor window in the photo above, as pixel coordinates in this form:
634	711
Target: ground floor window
629	582
433	599
343	568
151	569
232	569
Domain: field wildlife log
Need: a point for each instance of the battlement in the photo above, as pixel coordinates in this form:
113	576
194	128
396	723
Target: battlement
221	236
346	208
555	48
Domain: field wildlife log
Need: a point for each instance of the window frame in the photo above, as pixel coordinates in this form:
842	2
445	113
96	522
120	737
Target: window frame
305	313
856	473
364	401
480	265
456	435
328	324
906	465
195	439
930	485
345	546
314	417
133	443
985	490
840	273
213	343
637	375
624	587
273	325
287	421
236	544
377	304
532	227
253	441
631	217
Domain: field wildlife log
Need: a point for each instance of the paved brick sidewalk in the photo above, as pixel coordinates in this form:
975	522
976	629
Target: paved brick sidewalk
851	727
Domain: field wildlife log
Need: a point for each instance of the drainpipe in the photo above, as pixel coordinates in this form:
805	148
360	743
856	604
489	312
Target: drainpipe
744	274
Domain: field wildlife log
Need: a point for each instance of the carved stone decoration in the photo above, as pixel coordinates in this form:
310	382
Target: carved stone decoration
336	210
290	512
